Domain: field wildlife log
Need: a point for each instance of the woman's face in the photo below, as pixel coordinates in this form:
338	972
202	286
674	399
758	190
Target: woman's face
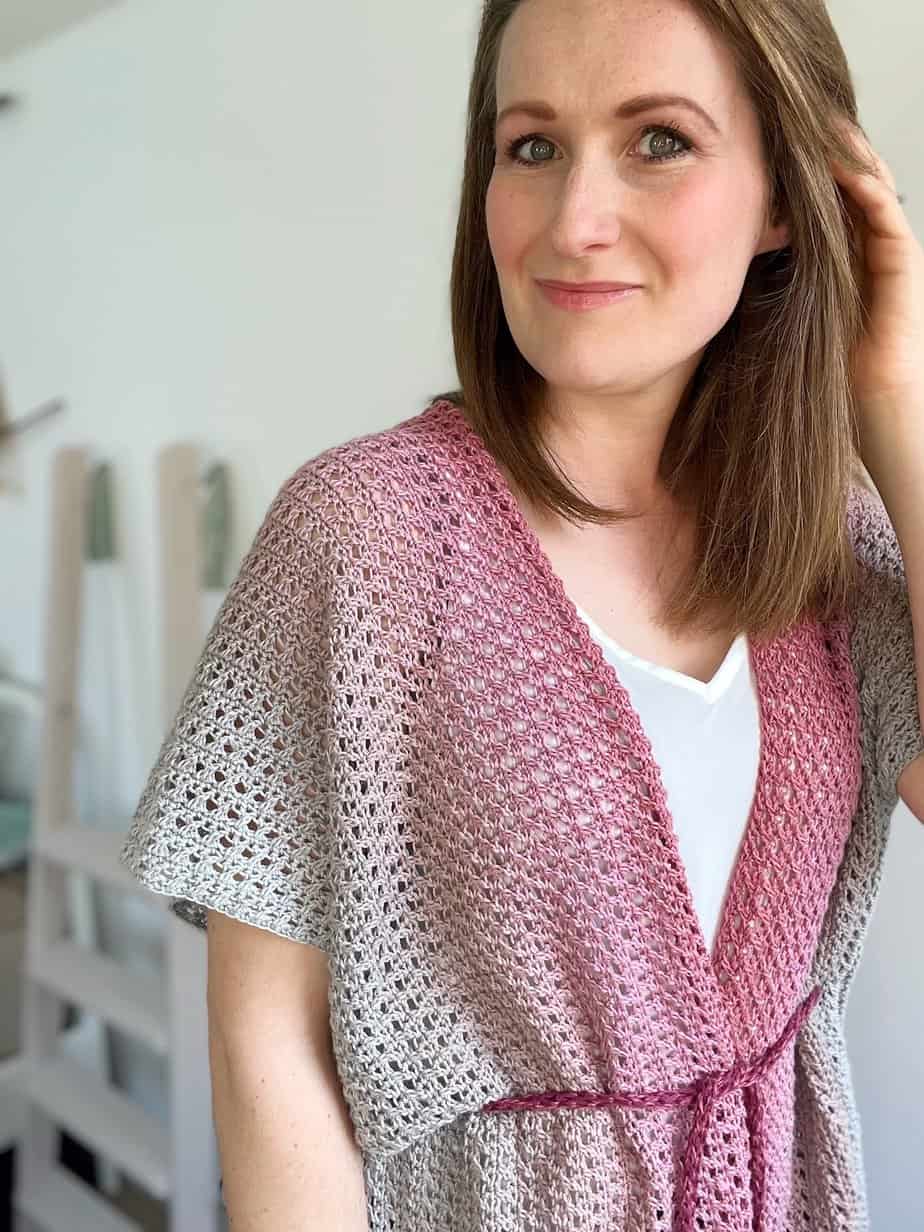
592	204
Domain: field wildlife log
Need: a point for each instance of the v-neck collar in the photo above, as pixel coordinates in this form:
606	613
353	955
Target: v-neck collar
713	968
706	690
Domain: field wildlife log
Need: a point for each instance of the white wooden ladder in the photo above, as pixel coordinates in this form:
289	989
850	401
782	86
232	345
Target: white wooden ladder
177	1162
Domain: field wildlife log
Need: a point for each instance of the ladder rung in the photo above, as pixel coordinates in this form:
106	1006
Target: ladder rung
90	850
12	1084
63	1200
93	981
12	1103
106	1121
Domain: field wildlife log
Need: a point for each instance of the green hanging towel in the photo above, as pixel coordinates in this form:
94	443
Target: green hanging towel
15	819
215	526
100	536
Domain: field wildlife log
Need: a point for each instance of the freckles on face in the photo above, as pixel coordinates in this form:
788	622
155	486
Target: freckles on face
705	226
512	226
689	242
702	216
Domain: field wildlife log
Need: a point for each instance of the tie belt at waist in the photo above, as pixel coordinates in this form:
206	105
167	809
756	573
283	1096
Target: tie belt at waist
702	1094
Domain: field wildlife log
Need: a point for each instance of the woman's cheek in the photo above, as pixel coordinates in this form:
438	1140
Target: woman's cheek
711	226
509	224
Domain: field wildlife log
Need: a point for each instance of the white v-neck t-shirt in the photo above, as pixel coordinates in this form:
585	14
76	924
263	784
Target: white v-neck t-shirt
705	737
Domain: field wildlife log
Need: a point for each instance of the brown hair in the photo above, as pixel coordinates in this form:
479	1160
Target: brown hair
767	426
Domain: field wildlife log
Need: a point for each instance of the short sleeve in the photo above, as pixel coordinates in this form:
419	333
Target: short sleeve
235	813
884	637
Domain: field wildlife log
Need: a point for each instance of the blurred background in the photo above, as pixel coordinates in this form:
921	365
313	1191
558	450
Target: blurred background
227	228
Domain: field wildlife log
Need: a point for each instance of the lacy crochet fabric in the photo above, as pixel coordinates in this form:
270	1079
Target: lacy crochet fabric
403	745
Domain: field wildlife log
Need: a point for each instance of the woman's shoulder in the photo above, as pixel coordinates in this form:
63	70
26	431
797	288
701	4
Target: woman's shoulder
364	476
354	525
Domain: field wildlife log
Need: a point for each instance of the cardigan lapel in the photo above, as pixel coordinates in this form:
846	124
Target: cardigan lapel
560	898
795	833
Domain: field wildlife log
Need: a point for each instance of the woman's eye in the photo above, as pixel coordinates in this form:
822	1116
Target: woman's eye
514	146
666	135
521	141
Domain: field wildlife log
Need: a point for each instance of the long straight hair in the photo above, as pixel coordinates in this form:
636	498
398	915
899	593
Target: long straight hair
764	445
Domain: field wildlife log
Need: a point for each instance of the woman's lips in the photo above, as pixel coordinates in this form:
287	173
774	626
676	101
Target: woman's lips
584	301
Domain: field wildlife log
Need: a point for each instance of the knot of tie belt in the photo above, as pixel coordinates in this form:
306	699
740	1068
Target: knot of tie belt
702	1095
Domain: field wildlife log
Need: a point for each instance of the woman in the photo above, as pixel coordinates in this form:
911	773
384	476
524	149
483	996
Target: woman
535	778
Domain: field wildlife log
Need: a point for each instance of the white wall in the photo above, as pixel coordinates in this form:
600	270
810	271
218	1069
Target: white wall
234	222
885	1020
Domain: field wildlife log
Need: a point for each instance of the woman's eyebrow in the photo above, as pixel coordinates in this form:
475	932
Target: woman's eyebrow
631	107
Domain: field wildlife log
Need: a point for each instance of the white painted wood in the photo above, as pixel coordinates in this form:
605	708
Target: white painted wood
134	1003
80	891
100	582
12	1101
103	1119
72	1042
47	894
85	930
195	1157
94	850
178	1162
65	1201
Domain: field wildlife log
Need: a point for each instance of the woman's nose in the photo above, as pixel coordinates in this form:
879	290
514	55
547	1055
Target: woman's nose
590	209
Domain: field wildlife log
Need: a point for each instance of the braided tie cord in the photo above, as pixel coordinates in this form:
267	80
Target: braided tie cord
703	1094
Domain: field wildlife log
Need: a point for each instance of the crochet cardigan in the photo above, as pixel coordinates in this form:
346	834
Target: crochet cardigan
403	745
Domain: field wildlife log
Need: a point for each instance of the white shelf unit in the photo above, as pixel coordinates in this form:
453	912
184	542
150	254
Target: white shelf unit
47	1089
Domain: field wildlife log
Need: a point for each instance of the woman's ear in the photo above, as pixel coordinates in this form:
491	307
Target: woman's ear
777	235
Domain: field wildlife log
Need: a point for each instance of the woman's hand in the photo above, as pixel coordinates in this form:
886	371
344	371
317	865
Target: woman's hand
888	363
